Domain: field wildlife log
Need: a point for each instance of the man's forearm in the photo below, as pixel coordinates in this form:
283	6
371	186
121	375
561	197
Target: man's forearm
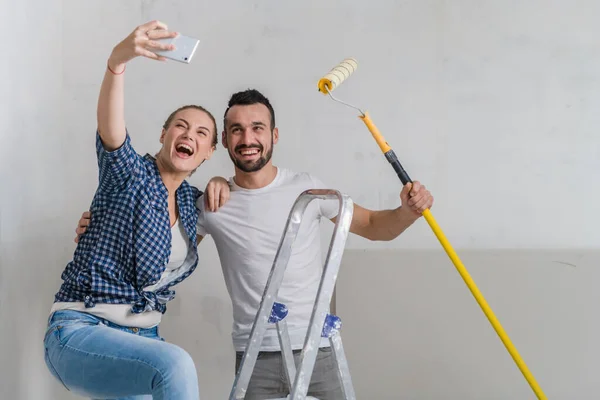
387	225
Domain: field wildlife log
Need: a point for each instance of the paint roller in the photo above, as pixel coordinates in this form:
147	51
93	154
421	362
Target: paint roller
327	84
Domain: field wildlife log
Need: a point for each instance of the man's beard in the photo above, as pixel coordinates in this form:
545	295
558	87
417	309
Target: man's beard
256	165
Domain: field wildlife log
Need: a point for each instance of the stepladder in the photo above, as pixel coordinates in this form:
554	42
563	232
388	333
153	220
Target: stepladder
322	324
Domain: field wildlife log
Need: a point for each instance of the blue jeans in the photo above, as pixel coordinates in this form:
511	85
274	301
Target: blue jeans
101	360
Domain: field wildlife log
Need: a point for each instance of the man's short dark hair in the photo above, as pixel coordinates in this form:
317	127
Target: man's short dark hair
249	97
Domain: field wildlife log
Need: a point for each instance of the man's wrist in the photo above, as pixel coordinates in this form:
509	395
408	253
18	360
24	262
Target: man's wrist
404	213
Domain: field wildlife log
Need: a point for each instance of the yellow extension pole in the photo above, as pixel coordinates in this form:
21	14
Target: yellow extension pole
387	150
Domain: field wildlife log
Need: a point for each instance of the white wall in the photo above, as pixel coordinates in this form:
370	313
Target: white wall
492	104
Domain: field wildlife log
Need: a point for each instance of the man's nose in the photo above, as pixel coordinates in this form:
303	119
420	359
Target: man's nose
247	137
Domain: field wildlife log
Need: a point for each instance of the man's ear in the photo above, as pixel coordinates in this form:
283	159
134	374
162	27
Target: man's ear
162	136
275	135
224	139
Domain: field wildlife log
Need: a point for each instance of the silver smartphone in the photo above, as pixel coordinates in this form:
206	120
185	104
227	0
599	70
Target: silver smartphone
185	47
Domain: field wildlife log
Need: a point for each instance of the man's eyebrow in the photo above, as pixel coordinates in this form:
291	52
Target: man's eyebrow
239	125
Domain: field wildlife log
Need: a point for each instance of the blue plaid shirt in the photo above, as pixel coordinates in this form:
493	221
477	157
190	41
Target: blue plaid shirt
128	242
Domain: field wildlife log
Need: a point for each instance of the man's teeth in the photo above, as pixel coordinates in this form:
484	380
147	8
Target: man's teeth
249	152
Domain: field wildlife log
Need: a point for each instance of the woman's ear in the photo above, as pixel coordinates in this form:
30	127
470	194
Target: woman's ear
210	152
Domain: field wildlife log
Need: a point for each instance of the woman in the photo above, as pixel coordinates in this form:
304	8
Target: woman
102	339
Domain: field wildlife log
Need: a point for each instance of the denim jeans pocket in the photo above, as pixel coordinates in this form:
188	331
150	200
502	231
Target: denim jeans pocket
61	326
49	331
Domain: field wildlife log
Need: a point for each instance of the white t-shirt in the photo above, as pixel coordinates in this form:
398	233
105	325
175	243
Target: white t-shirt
247	231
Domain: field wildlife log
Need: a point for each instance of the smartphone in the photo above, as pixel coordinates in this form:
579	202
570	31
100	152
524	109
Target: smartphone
185	47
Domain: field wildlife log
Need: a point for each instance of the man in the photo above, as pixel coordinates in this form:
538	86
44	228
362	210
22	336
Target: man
247	230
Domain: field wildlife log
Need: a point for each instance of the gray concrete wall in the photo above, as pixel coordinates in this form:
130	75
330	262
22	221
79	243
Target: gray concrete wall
413	330
493	104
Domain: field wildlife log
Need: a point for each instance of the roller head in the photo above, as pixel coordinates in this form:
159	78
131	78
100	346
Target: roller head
337	75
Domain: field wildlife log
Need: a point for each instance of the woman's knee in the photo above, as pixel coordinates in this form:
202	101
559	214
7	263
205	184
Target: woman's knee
183	361
176	375
177	364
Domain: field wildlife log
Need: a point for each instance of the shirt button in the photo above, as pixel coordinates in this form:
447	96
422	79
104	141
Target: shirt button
135	330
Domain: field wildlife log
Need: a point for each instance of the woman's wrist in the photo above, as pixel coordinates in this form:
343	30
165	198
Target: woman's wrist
115	66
